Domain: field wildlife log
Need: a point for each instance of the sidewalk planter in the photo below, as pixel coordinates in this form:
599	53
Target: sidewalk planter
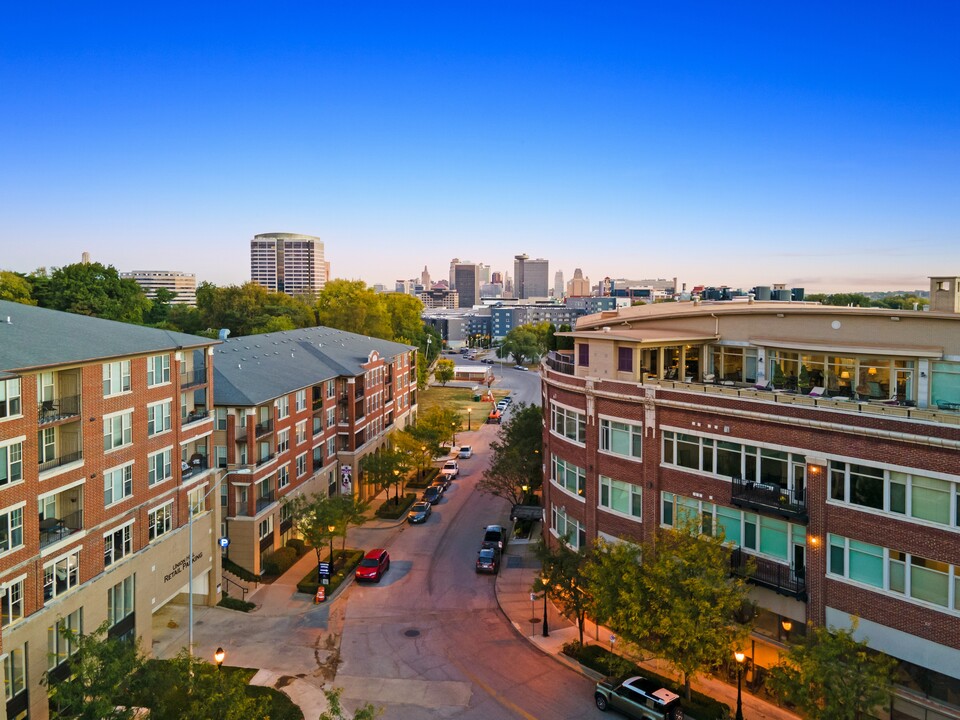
344	570
389	510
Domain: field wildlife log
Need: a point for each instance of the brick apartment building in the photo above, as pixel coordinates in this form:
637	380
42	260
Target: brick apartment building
839	479
105	435
296	411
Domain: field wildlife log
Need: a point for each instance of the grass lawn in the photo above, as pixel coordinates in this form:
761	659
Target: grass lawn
459	399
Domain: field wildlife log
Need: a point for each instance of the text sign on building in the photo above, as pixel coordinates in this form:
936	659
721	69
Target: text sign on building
224	542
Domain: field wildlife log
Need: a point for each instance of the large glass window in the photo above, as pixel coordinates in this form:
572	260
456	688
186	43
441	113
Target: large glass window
568	528
117	430
117	484
583	354
120	601
159	467
116	377
620	497
14	672
568	423
11	529
158	370
9	397
160	520
61	640
568	476
11	603
621	438
158	417
61	575
625	359
117	544
11	463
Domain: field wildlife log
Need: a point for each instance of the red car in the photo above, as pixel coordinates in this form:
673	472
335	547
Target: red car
374	564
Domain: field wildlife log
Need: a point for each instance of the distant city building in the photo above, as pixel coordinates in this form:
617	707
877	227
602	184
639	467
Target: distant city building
484	273
453	280
288	263
531	277
181	283
491	290
425	278
579	286
591	305
440	297
467	283
558	286
409	287
508	285
506	316
458	327
496	277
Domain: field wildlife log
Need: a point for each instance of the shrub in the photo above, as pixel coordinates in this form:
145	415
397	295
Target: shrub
429	475
297	544
391	511
598	658
279	561
232	603
240	572
346	562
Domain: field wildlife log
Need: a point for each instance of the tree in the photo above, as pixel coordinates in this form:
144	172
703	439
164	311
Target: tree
15	288
404	312
383	468
564	343
101	680
350	305
436	425
443	371
96	290
335	710
423	373
517	456
830	675
350	512
681	602
160	307
189	688
317	518
523	343
552	338
250	309
562	578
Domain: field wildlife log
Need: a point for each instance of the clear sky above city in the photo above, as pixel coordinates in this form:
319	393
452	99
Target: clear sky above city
816	145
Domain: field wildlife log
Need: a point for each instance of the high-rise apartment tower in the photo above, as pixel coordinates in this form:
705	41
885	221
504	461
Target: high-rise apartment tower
288	263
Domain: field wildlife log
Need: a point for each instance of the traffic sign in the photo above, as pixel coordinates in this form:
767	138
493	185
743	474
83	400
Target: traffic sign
224	542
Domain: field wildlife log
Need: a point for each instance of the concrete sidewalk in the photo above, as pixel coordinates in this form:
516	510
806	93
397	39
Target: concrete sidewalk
517	574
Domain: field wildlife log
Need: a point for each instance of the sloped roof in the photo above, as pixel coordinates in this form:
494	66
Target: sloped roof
254	369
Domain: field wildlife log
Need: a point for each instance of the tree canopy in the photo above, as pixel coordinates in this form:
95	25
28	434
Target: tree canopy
91	289
517	456
16	288
525	343
563	577
443	371
350	305
250	309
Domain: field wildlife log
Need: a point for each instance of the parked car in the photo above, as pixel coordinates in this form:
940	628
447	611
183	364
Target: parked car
441	484
494	536
419	512
519	367
374	564
450	469
488	560
466	451
431	495
487	361
638	697
508	399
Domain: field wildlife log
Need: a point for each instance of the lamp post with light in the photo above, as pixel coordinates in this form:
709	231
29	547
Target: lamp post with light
740	657
332	529
546	628
469	418
454	426
218	656
423	455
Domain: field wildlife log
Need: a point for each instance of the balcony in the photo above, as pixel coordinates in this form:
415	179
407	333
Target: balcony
769	574
55	529
266	500
264	428
264	459
560	363
344	400
195	415
197	376
770	498
197	465
58	460
61	408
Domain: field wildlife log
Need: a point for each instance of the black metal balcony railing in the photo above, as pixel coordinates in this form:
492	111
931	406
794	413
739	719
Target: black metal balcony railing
197	376
196	415
264	427
265	500
359	393
59	409
788	502
55	529
560	363
769	574
64	459
265	458
343	399
196	466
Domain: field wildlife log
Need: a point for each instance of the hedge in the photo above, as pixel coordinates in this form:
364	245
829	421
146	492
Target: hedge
299	545
279	561
597	657
232	603
429	475
391	511
344	564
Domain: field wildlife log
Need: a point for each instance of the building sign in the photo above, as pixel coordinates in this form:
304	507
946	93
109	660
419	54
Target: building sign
346	477
181	565
324	568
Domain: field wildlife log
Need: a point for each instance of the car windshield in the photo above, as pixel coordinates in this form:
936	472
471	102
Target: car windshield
486	555
492	535
369	562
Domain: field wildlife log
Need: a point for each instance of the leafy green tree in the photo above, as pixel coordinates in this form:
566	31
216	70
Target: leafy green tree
101	681
383	469
335	709
423	373
564	343
350	512
523	343
552	338
188	688
96	290
832	676
443	371
16	288
318	519
350	305
438	424
250	308
517	456
404	312
562	577
160	307
680	603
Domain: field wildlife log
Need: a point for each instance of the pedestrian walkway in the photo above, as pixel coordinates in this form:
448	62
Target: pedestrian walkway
517	574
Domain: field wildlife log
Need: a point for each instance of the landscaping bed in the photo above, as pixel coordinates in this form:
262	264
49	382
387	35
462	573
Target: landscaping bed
344	563
232	603
429	475
391	510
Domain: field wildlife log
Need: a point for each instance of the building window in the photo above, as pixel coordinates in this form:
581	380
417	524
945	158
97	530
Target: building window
117	545
331	388
221	418
283	475
620	497
14	672
61	575
301	432
220	456
196	500
11	529
621	438
11	463
301	400
301	465
117	484
568	528
568	423
11	603
331	447
266	527
331	417
62	638
569	477
158	417
625	359
283	441
283	407
158	370
160	520
158	467
583	354
120	601
9	397
116	377
117	431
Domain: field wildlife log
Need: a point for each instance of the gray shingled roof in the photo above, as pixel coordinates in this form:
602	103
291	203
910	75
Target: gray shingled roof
33	338
254	369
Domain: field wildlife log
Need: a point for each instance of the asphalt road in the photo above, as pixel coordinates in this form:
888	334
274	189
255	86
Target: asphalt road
428	641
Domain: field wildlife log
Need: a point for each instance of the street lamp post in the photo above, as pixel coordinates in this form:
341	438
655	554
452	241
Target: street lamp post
526	489
454	426
396	479
218	656
469	418
740	658
546	628
332	529
423	455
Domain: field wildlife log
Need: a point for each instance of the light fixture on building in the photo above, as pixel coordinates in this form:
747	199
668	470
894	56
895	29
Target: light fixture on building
845	375
787	625
872	371
813	540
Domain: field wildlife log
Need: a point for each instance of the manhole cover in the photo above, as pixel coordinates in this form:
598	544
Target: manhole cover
411	633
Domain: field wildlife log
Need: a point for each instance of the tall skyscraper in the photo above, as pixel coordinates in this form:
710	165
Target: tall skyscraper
530	277
484	271
558	288
453	280
579	286
496	277
288	263
467	278
181	283
425	278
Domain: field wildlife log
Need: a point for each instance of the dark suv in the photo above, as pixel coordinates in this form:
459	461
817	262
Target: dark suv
494	536
639	698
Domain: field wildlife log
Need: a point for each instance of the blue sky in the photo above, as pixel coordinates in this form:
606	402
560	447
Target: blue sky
727	143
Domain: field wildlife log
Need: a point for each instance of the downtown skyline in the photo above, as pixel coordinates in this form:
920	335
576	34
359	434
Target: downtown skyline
744	146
